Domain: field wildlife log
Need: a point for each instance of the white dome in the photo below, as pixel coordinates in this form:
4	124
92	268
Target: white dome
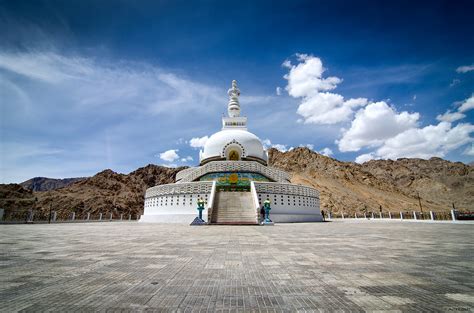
224	144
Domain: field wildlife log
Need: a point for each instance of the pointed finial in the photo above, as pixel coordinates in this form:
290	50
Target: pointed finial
234	106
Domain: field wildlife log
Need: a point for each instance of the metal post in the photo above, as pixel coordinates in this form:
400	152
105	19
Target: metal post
355	214
110	216
401	216
54	216
100	217
342	215
432	215
130	217
121	216
73	217
88	216
453	215
390	215
380	214
414	215
373	216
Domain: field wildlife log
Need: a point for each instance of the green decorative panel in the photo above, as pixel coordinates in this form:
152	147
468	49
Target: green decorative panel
236	179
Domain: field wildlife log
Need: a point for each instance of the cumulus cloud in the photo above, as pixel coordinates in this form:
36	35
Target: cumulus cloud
318	106
469	150
426	142
198	142
465	68
326	151
169	155
365	157
373	125
267	144
187	159
451	116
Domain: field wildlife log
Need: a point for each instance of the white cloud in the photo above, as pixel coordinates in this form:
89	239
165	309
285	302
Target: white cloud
373	125
326	151
469	150
432	140
467	105
198	142
465	68
309	146
169	155
267	144
278	91
364	158
187	159
450	116
318	106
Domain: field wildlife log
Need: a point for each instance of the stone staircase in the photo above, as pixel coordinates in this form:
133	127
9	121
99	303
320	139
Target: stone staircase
233	207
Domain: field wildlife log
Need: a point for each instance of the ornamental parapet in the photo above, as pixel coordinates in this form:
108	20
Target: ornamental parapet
286	189
176	189
191	174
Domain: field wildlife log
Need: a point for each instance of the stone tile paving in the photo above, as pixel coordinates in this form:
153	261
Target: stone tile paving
337	266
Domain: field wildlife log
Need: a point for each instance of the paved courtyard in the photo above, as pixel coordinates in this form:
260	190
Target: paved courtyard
343	266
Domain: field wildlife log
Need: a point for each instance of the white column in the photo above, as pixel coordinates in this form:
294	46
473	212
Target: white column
73	216
355	214
365	215
401	215
390	215
373	216
453	215
432	215
130	217
100	217
54	216
342	215
121	216
329	215
414	215
88	216
110	216
380	215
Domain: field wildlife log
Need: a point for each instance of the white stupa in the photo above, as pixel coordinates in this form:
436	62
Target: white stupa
234	180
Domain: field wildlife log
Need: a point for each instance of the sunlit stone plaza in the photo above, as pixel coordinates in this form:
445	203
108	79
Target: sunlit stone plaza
343	266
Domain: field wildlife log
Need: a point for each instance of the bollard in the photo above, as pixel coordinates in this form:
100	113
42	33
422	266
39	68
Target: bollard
121	216
138	217
110	217
453	215
54	216
380	215
342	215
401	215
373	216
390	215
100	216
414	215
355	214
130	217
432	215
73	216
88	216
365	215
329	215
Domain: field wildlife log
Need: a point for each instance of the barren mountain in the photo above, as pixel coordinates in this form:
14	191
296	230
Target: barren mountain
343	186
45	184
394	185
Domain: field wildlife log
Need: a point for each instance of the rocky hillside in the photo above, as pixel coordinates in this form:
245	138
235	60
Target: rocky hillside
106	192
45	184
343	186
394	185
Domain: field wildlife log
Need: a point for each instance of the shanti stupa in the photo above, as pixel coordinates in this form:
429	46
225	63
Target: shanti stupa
234	180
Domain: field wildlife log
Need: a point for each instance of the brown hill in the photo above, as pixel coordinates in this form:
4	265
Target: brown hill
106	192
394	185
45	184
344	186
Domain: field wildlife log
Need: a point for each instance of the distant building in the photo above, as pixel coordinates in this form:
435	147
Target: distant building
234	180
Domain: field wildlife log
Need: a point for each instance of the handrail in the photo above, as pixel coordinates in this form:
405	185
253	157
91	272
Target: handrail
210	203
256	204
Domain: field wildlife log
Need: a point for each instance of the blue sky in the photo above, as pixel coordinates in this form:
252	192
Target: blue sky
89	85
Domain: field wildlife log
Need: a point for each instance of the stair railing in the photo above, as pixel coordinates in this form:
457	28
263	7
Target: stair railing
253	191
210	203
